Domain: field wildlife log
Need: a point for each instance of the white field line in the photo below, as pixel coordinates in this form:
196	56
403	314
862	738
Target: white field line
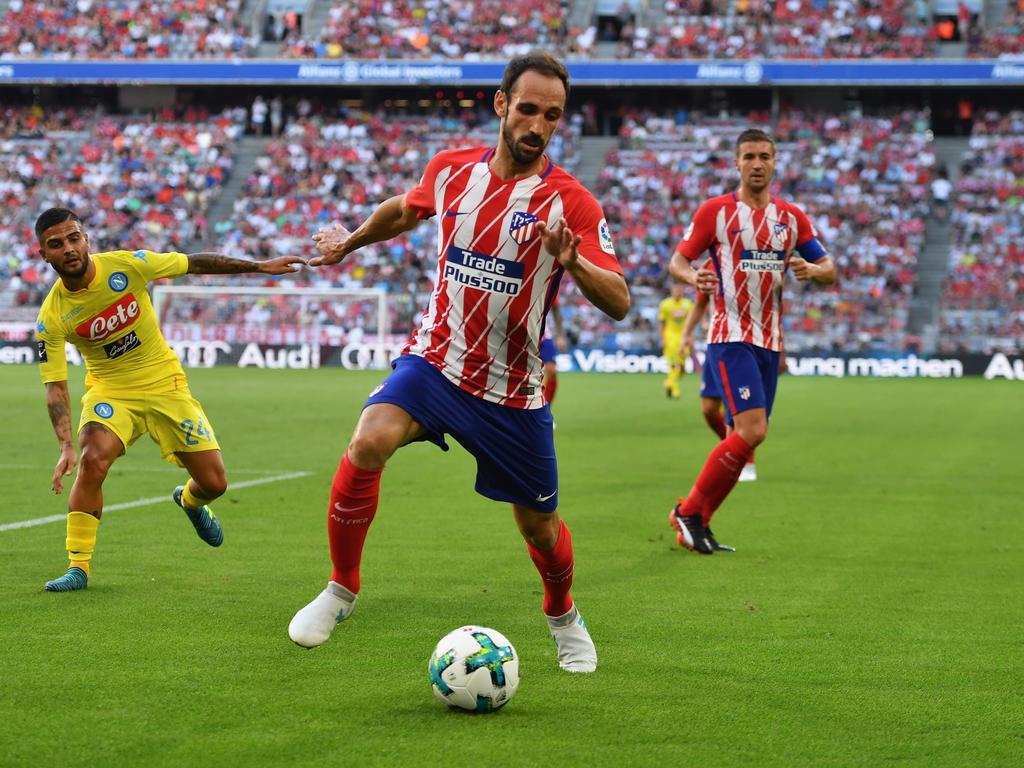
128	470
145	502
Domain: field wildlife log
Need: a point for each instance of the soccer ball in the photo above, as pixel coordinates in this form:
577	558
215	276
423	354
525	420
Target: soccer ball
474	668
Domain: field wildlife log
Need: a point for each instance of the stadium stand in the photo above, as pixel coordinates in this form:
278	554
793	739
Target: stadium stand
471	29
479	29
91	29
161	177
983	298
140	181
863	180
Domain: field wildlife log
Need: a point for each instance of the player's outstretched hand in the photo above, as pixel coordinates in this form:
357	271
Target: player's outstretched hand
560	242
330	242
282	265
65	466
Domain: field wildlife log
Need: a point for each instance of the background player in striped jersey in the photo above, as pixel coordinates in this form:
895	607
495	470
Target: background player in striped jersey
510	224
752	237
134	382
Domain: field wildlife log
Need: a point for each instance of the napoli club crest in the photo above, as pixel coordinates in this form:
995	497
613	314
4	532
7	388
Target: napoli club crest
118	281
523	227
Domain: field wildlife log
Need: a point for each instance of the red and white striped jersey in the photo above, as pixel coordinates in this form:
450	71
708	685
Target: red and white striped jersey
495	281
750	251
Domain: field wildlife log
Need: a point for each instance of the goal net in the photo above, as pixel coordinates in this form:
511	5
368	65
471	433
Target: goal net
298	327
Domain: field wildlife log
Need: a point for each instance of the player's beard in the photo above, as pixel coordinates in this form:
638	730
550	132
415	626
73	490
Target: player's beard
512	144
77	272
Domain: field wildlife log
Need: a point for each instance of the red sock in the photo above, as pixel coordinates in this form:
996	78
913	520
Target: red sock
716	421
719	476
354	495
555	566
548	388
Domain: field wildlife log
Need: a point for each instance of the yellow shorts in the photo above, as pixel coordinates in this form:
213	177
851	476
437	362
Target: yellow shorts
174	420
671	350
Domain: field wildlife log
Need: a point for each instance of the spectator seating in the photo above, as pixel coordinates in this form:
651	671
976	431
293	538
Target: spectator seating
143	29
983	298
862	180
137	181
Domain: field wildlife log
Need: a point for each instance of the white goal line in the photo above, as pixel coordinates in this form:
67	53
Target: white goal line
145	502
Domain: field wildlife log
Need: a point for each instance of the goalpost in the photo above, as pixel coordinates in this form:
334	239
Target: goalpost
354	318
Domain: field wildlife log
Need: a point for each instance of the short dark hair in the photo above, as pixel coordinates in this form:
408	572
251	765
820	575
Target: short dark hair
754	134
51	217
534	61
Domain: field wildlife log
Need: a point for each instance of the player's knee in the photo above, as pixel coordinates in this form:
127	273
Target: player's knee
754	435
541	533
93	466
212	483
370	450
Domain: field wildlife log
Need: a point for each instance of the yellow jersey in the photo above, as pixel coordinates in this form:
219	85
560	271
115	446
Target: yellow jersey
111	322
673	313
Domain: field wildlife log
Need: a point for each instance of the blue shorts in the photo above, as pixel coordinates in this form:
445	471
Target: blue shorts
514	448
547	350
747	375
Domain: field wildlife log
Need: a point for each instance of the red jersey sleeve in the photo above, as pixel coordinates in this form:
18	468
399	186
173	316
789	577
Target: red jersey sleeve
586	219
421	198
700	235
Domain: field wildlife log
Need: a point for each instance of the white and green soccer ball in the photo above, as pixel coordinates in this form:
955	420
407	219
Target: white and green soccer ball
475	669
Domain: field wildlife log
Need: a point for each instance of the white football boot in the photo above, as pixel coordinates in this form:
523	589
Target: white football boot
312	625
576	651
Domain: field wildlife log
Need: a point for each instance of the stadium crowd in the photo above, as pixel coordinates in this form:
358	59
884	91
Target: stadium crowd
137	179
455	29
475	29
785	29
140	29
863	179
983	297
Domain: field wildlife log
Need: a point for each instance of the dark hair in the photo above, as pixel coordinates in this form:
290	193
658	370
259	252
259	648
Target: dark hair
52	217
754	134
534	61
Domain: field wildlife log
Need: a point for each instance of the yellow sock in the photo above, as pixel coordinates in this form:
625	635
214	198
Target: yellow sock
81	539
191	500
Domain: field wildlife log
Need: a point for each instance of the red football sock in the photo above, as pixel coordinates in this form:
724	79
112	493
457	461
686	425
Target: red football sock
719	476
716	421
354	494
548	388
555	566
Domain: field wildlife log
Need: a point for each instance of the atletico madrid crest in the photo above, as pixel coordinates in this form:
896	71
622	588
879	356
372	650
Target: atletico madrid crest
523	227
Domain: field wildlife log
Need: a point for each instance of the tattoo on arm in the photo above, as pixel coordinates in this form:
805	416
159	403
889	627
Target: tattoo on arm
58	404
219	264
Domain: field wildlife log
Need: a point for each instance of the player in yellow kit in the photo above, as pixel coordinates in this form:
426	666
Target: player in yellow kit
134	382
672	314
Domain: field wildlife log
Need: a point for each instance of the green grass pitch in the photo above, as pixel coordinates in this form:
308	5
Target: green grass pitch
872	615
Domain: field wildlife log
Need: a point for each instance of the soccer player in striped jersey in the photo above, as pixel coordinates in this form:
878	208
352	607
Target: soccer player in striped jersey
134	383
510	225
752	237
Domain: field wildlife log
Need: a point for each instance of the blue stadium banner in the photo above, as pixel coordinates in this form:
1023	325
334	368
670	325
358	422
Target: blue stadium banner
351	72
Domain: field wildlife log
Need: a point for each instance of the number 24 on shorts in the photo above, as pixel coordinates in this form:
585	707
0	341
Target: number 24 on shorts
201	431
